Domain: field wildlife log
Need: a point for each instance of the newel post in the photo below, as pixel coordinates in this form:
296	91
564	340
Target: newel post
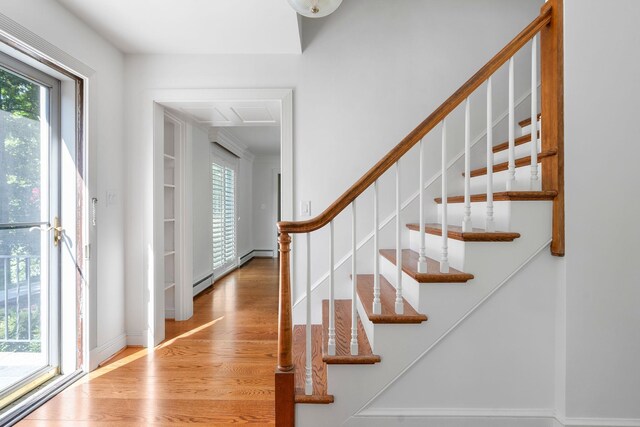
552	111
284	378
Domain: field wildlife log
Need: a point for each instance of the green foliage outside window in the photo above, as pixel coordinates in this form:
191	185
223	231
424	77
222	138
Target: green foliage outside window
20	201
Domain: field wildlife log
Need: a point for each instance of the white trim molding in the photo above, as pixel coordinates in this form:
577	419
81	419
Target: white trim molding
597	422
261	253
137	338
203	282
15	32
146	162
453	417
106	350
456	413
224	138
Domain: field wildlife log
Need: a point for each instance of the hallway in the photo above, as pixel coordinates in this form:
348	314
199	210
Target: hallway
214	369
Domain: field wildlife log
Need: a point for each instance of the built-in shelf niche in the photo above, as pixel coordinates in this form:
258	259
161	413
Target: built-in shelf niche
170	158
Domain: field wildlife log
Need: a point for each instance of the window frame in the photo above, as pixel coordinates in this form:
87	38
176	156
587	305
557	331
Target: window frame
221	157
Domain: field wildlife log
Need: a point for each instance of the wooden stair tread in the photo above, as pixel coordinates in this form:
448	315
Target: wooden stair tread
387	300
410	266
527	122
505	196
476	235
518	141
522	161
319	368
343	337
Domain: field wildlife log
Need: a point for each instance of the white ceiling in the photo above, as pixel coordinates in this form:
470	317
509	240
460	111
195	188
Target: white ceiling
193	26
259	140
231	113
254	124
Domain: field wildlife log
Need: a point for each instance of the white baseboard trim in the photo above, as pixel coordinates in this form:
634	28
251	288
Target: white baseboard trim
597	422
203	283
262	253
201	287
137	339
245	259
455	413
106	350
452	417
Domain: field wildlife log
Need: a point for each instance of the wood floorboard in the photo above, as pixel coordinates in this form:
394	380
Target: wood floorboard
213	369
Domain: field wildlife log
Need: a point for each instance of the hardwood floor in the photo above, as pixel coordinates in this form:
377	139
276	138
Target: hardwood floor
214	369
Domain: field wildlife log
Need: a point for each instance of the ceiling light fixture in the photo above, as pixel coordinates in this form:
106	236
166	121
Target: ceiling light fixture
314	8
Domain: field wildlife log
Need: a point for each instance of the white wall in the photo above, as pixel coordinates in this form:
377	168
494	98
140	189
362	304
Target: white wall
245	206
52	22
369	74
265	169
602	88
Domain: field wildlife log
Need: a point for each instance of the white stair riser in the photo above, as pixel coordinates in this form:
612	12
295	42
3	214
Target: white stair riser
523	181
522	150
434	248
459	250
501	214
527	129
368	326
410	288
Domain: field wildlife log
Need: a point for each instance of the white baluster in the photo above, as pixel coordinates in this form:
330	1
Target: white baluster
399	305
534	113
444	260
331	343
377	305
466	221
422	259
490	224
511	179
354	282
308	383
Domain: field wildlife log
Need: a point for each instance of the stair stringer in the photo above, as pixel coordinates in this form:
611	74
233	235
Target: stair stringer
447	305
497	362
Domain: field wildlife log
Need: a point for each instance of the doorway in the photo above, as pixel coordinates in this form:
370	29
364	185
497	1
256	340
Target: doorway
193	101
30	230
44	261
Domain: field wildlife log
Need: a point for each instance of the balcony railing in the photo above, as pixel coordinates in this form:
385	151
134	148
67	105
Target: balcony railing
20	298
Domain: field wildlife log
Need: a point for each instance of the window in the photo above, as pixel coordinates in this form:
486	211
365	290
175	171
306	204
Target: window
30	194
223	174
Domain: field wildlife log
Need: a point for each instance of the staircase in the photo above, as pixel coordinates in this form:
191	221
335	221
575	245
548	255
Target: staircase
422	289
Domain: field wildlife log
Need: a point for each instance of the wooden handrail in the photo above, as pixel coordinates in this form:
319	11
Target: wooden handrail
423	128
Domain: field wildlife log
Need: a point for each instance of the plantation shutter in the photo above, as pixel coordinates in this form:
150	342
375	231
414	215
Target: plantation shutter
217	173
223	184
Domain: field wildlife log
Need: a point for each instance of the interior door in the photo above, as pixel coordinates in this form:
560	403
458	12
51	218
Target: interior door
29	228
